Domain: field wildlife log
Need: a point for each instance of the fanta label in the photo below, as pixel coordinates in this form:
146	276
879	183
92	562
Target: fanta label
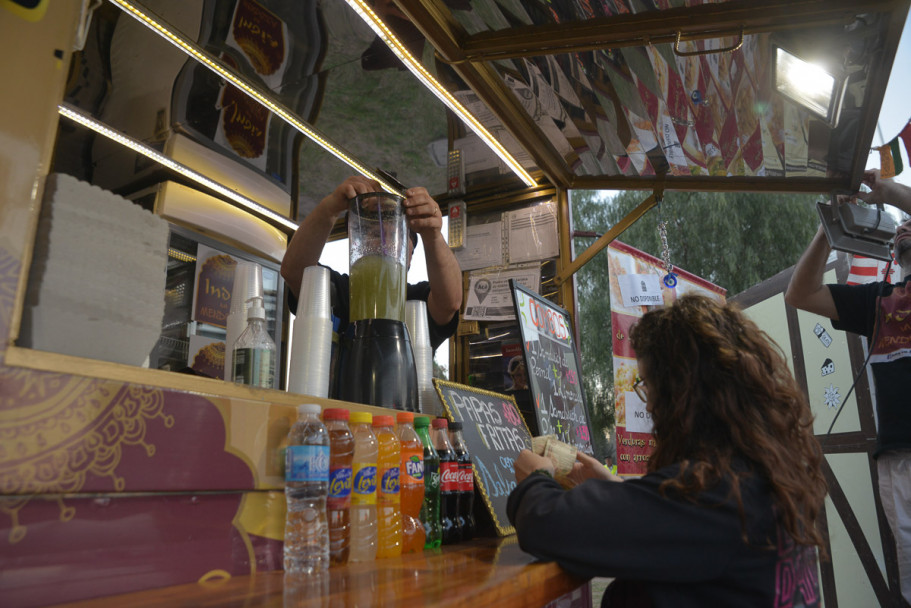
389	485
307	463
340	482
363	491
414	468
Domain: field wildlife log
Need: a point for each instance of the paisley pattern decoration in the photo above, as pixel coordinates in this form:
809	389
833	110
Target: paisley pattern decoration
55	430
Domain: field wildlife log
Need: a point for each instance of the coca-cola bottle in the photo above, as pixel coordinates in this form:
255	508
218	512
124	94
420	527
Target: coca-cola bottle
449	482
466	480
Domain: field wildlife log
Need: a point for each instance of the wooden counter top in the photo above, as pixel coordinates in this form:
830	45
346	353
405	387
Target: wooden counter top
483	572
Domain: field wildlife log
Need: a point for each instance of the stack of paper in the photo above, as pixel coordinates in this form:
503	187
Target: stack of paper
97	282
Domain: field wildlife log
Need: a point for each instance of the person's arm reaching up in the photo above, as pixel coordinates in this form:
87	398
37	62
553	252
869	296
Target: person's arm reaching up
307	244
806	289
443	272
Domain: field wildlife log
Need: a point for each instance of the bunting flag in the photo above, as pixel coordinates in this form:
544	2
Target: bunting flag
866	270
890	155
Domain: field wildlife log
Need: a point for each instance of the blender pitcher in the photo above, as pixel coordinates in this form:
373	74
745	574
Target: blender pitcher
376	361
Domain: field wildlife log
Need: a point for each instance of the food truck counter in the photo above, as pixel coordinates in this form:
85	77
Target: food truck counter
482	572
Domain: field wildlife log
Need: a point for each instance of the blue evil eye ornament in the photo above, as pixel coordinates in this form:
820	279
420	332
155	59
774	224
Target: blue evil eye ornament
697	98
670	280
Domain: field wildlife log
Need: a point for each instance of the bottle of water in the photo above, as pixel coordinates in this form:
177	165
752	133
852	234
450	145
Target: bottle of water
306	489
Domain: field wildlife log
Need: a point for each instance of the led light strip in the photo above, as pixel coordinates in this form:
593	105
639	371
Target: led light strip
160	27
427	79
85	120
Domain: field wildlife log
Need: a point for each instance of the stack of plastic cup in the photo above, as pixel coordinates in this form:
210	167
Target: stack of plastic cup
416	322
311	342
248	283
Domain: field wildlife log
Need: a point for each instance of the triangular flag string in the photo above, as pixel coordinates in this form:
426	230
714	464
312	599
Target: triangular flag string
890	155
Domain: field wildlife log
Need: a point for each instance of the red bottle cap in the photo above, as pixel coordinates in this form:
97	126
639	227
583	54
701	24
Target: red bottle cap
404	417
336	413
383	421
440	423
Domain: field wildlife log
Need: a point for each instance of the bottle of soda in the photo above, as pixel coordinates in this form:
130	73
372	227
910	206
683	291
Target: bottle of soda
466	480
341	454
411	483
306	547
388	501
363	490
449	482
430	510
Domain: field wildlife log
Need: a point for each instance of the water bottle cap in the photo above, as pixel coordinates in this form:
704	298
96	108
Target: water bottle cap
335	413
361	418
440	423
383	421
404	417
455	426
421	422
309	408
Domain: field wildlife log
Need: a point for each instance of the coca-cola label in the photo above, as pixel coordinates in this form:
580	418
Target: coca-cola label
466	478
449	476
363	490
307	463
340	482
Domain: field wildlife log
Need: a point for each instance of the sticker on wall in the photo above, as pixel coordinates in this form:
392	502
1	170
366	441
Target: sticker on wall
823	335
831	397
828	367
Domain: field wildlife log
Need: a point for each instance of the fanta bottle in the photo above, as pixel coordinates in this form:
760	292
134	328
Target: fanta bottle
363	489
411	483
388	502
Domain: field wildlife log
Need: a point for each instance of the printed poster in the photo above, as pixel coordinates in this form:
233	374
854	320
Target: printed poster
635	277
214	282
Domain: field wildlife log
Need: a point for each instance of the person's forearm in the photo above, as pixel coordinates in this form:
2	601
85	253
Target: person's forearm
808	273
306	245
445	279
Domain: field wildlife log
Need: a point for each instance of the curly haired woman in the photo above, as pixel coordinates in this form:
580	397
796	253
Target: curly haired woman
726	515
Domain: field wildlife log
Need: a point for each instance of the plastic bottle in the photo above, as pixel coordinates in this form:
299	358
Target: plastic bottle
254	351
449	482
388	501
430	510
466	480
363	491
411	483
341	454
306	547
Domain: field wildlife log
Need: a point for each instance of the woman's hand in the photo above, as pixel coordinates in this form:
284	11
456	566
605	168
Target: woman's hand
587	467
528	462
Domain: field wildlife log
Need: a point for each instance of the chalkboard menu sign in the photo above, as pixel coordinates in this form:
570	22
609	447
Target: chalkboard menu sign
495	433
552	364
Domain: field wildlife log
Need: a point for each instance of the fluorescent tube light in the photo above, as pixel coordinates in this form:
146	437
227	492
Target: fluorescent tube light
426	78
85	120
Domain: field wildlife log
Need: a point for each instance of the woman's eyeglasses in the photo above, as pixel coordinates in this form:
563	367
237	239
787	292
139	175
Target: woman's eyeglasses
641	389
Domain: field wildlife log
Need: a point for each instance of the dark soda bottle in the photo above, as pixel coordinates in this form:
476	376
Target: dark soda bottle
466	480
449	482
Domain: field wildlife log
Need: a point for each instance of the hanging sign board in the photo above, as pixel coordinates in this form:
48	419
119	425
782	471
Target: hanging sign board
495	433
552	363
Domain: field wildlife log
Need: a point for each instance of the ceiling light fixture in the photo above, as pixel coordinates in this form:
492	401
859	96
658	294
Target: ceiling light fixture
85	120
427	79
818	89
169	33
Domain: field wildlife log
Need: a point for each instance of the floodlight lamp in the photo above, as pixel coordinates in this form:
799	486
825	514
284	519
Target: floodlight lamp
818	89
859	230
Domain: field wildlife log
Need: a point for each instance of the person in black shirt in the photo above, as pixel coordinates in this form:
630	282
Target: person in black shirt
726	515
443	289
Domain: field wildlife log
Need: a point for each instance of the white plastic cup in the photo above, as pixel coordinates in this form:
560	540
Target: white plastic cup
311	338
419	332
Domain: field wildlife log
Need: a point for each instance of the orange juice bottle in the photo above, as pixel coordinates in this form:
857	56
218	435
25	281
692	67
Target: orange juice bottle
411	483
388	503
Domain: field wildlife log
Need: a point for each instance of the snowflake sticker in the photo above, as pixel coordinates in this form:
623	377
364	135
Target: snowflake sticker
832	398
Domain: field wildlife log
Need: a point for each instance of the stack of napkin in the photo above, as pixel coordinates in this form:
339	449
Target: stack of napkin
97	282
